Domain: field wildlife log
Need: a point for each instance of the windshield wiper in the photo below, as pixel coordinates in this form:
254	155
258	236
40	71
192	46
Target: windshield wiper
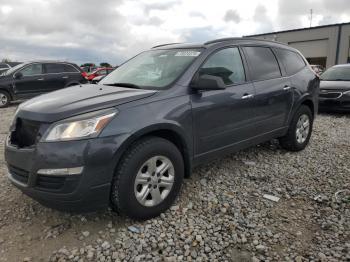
129	85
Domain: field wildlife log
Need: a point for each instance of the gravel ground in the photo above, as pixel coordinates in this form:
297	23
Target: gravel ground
220	215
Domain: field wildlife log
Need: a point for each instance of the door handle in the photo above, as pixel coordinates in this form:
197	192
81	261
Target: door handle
40	79
247	96
286	87
65	77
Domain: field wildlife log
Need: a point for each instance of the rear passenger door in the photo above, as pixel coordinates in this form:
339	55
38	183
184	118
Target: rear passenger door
223	118
54	76
71	75
273	97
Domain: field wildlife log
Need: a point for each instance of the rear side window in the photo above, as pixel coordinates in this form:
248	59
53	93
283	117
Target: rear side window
34	69
54	68
69	69
262	63
291	61
227	64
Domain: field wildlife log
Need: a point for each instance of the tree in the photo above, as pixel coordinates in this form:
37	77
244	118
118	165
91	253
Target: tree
105	64
88	64
5	60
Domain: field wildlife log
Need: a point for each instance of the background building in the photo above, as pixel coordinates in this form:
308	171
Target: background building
323	45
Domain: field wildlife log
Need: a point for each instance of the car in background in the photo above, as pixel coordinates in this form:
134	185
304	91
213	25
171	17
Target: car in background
4	66
30	79
97	79
335	89
102	71
318	69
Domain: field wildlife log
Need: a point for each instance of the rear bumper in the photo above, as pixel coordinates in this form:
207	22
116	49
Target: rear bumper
88	191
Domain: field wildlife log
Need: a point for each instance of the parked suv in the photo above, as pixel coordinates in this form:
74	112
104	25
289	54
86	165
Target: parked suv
30	79
129	141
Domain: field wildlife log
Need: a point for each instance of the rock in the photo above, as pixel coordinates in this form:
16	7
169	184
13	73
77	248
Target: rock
134	229
85	233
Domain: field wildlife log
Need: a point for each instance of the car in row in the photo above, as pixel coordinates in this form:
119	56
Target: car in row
335	89
102	71
30	79
129	141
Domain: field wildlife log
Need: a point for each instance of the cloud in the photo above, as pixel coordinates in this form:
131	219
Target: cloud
115	30
263	21
232	16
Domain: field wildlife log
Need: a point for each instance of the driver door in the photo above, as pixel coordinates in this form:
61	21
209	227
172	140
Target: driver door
223	118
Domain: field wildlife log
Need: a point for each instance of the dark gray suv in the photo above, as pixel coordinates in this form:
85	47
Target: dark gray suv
129	141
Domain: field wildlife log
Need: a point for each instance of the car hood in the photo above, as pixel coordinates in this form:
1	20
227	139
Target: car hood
77	100
335	85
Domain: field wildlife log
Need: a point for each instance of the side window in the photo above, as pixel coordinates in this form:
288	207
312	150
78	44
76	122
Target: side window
69	69
54	68
34	69
292	61
227	64
262	63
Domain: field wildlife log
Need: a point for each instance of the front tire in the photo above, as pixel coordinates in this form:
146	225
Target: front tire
299	131
148	178
5	99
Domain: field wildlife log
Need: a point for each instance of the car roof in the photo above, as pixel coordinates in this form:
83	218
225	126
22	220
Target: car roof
221	41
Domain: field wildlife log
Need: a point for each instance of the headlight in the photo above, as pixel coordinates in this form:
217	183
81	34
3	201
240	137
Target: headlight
347	93
75	129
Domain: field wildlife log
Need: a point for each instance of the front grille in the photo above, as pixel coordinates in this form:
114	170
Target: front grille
26	133
50	182
19	174
331	95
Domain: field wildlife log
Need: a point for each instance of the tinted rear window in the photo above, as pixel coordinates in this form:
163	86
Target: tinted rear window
262	63
69	68
54	68
291	61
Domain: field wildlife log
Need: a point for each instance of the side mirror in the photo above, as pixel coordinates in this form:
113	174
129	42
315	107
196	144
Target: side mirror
208	82
18	75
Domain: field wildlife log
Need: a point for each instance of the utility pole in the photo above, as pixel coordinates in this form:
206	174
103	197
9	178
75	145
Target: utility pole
311	17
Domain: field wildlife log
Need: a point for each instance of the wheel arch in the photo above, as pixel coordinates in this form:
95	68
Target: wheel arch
7	91
169	132
307	101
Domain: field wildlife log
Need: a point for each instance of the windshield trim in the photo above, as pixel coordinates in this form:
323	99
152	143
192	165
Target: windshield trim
168	86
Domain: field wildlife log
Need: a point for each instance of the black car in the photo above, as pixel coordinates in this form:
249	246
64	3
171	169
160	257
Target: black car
30	79
335	89
129	141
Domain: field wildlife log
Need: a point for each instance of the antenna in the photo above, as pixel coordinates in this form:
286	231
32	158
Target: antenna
311	17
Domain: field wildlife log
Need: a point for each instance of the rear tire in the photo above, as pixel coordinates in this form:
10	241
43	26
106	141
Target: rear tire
5	98
299	131
148	178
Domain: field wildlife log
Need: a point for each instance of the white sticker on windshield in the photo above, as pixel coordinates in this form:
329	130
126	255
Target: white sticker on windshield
187	53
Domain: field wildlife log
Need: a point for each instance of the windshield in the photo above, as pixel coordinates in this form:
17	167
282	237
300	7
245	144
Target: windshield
336	74
12	69
154	69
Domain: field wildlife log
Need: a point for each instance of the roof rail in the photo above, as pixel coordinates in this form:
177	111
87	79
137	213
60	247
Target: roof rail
241	38
165	45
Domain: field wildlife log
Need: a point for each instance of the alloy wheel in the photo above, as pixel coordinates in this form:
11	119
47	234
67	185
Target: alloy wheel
3	99
303	128
154	181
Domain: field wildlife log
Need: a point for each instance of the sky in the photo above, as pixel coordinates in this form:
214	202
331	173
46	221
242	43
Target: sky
114	30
